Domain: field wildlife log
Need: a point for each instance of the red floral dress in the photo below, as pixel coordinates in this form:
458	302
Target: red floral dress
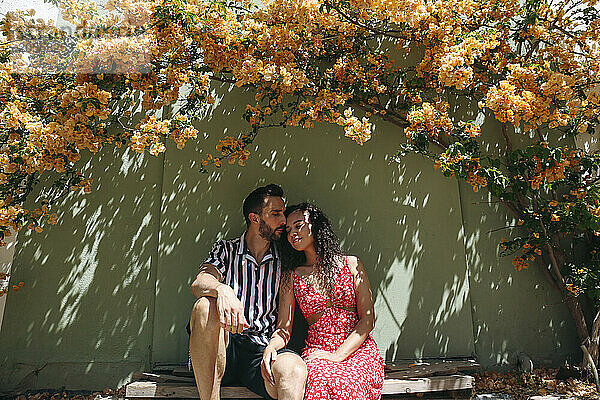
358	377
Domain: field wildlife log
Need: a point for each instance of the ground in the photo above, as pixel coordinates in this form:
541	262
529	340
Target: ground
541	384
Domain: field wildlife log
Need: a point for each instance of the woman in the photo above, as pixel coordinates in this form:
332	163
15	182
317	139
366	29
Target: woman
333	292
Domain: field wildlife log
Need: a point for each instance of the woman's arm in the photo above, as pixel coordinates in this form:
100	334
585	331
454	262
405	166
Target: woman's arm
366	314
282	333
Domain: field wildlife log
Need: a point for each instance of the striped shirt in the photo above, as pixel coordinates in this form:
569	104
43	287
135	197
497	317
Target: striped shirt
256	285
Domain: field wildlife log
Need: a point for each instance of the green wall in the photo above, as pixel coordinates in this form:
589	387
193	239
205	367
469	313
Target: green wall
84	317
107	289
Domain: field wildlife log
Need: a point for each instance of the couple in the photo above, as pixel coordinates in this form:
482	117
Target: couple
247	290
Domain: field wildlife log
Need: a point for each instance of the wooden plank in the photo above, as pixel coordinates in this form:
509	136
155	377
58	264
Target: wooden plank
238	393
431	384
415	370
173	390
154	389
402	370
182	371
404	365
161	377
465	394
390	386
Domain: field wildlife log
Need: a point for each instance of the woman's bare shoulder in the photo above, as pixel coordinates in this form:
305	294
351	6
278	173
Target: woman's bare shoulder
354	263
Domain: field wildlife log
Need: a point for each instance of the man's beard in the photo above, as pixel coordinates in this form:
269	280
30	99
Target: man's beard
266	232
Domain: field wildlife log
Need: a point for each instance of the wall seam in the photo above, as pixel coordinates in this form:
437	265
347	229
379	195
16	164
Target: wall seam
467	265
154	269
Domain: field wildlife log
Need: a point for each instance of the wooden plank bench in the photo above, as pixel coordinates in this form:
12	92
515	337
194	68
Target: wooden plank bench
401	379
148	389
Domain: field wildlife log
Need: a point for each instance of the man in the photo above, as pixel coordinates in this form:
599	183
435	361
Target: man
236	311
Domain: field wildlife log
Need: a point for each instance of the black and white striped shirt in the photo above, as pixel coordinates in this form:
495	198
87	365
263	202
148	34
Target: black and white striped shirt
256	285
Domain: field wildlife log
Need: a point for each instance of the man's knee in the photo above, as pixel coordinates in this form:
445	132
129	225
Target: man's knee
204	314
290	367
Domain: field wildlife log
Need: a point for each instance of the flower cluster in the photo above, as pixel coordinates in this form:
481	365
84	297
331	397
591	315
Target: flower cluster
235	150
430	120
4	284
85	184
553	168
357	130
4	277
149	134
456	66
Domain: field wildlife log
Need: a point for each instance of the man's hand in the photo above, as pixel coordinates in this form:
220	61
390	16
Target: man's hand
269	356
231	310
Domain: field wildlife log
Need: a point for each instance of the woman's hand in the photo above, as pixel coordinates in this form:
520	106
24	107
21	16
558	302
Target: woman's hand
269	356
324	355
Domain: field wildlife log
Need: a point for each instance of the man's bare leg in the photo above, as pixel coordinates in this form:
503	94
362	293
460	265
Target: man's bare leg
208	342
289	371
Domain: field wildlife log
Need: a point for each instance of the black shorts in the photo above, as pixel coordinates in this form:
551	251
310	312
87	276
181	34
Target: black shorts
243	364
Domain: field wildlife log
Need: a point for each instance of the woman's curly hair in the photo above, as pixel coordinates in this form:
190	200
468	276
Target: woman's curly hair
327	246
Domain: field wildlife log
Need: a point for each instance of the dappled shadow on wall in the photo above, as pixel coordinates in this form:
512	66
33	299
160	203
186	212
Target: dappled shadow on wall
403	221
84	317
514	312
89	313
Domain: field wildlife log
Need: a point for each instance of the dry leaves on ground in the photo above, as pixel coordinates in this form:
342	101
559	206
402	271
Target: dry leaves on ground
71	395
538	383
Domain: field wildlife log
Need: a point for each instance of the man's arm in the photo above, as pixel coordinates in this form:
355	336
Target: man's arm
207	281
230	308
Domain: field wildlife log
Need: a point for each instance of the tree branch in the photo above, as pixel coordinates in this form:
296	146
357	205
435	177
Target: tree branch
366	27
509	145
547	274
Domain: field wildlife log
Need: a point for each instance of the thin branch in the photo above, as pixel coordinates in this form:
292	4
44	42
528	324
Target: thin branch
583	85
509	145
555	266
501	228
367	27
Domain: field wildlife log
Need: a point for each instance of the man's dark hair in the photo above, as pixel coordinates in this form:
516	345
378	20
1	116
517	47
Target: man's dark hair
255	201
